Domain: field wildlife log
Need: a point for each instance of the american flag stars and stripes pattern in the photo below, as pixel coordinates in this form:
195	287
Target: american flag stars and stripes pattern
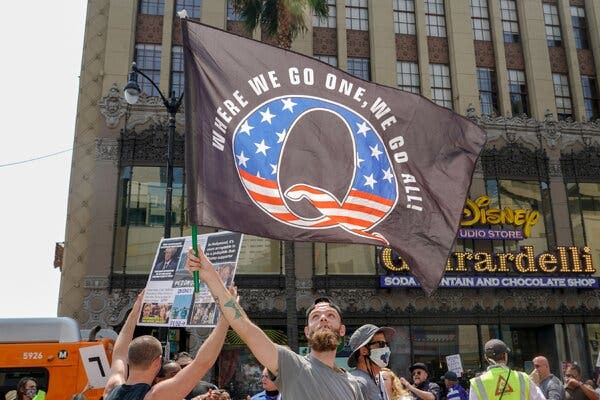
258	145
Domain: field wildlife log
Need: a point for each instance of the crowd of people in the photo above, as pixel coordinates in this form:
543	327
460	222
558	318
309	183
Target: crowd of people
138	371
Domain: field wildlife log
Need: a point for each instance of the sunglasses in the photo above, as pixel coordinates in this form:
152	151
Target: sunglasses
379	343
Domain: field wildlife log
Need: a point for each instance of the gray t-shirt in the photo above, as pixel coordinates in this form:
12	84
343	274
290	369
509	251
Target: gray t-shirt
308	378
552	388
368	387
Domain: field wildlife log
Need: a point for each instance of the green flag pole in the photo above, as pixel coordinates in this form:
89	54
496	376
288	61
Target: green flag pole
195	247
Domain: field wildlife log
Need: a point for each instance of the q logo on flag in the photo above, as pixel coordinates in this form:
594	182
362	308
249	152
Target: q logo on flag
258	146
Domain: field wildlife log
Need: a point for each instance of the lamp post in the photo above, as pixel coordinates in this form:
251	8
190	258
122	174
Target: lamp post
132	94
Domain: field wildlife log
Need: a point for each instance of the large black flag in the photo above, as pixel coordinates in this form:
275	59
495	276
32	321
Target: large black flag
284	146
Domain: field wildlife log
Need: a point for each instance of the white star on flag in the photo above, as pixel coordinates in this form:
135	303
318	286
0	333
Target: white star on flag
387	175
375	152
281	136
288	104
363	129
267	116
242	159
358	160
246	128
370	181
261	147
274	169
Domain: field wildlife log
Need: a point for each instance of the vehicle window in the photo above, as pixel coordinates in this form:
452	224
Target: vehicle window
10	377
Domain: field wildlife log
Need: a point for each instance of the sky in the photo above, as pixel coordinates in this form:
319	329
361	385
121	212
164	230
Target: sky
41	43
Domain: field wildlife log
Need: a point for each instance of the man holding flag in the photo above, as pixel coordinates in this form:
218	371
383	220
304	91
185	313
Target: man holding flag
314	376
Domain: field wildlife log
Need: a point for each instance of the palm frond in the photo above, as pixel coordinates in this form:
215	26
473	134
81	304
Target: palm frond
275	335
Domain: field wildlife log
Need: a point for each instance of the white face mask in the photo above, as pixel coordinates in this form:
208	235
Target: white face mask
381	357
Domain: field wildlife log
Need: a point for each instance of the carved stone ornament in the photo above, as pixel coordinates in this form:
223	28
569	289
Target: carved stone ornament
113	106
104	308
107	149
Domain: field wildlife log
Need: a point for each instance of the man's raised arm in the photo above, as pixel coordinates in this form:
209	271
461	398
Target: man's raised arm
260	345
118	367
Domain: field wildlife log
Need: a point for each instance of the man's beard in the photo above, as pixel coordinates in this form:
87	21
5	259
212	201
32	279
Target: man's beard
324	339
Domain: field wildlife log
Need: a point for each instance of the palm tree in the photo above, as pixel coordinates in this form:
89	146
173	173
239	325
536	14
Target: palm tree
279	19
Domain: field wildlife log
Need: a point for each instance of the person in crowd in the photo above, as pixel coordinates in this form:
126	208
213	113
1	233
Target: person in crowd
270	391
184	359
136	362
167	370
395	390
315	376
421	388
27	388
500	380
549	384
370	351
454	390
575	389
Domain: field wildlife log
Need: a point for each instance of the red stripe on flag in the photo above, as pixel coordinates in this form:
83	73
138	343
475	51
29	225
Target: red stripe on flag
372	197
258	181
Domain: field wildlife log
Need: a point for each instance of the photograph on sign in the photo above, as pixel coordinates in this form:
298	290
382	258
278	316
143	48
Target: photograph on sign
96	365
169	298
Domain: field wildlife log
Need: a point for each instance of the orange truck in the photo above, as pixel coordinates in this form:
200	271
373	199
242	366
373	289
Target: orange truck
50	350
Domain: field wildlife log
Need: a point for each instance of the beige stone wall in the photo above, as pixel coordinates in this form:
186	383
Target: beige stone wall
383	45
537	61
87	235
462	55
500	54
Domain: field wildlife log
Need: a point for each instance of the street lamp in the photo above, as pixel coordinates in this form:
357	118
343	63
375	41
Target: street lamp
132	94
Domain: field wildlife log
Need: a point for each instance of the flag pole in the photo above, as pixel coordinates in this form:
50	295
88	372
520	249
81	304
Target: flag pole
195	247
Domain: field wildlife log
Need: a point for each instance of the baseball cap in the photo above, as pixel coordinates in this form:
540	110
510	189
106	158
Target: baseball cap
451	376
418	365
363	335
495	347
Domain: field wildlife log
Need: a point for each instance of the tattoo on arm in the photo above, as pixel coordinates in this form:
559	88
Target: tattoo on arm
232	304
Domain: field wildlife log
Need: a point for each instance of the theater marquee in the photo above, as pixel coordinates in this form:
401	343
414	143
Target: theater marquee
566	267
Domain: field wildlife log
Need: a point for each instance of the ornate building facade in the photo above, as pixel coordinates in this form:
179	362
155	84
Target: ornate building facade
526	71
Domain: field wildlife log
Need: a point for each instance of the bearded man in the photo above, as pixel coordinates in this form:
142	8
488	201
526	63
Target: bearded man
314	376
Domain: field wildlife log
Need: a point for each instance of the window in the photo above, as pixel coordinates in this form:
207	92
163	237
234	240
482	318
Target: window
142	213
177	70
331	60
526	195
552	25
435	20
359	67
510	22
488	91
480	19
404	17
579	27
590	97
152	7
407	76
441	92
517	88
193	7
584	208
231	14
260	256
562	96
357	15
330	21
147	58
344	259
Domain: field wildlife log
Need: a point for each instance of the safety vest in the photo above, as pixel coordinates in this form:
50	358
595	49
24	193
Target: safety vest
490	384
